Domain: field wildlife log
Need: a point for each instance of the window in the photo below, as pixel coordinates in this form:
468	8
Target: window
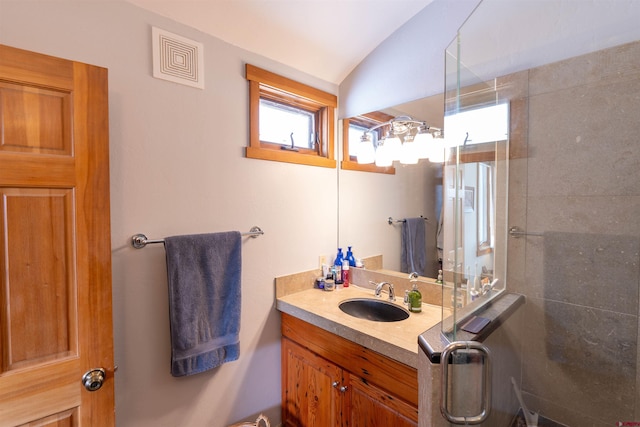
289	121
352	130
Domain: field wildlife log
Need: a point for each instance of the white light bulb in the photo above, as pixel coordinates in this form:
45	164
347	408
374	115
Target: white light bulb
394	147
366	153
383	159
408	153
423	143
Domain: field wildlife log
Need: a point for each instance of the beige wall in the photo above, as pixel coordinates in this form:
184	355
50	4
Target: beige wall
576	180
177	167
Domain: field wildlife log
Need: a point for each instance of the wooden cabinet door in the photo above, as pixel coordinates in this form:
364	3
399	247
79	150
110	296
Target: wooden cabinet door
310	389
55	255
369	406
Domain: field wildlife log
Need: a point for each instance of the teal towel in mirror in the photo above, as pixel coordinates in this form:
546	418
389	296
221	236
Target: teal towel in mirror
414	252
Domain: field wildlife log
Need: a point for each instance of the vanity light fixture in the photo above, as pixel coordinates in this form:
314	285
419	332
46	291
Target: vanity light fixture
407	140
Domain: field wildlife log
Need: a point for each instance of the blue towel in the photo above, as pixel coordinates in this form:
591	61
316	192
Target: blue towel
414	250
204	272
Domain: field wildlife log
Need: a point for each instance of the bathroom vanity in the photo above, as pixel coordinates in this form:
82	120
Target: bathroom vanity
330	381
342	370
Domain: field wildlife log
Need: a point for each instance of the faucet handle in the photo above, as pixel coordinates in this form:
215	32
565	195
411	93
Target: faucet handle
378	288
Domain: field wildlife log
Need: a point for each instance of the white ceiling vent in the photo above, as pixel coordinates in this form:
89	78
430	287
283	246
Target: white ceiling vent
177	59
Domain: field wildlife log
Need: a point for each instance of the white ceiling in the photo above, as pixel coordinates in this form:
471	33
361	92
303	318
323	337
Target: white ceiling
323	38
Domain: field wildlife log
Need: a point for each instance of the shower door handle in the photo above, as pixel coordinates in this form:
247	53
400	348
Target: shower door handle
485	386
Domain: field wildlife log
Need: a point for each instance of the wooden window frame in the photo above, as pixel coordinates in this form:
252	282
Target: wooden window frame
366	120
266	85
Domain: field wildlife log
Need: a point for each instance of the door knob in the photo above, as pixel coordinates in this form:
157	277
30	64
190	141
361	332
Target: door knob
93	379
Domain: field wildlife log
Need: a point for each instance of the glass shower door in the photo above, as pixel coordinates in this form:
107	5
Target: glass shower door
474	232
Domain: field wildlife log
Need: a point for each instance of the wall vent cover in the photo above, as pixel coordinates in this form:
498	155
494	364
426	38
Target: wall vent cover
177	59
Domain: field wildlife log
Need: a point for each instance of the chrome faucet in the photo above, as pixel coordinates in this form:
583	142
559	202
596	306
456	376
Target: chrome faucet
379	286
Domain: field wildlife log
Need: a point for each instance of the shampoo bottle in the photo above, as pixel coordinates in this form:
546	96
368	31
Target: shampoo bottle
337	264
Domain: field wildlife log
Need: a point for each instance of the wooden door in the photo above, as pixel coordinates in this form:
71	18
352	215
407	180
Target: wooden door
311	394
55	255
369	406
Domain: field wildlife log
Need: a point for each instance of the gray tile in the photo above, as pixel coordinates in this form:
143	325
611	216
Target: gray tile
582	141
619	63
637	391
581	358
585	214
563	414
595	270
534	268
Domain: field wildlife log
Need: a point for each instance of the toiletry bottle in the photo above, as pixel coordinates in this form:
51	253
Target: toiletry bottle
474	294
439	280
350	257
337	264
345	273
329	285
415	297
476	280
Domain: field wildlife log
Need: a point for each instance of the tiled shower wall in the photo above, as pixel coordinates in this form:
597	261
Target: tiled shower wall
575	178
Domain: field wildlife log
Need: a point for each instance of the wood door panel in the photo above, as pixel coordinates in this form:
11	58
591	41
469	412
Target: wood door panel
45	170
35	393
37	69
55	246
63	419
34	120
309	397
370	406
39	287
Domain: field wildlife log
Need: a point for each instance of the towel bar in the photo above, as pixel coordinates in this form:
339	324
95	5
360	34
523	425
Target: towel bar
516	231
139	241
391	220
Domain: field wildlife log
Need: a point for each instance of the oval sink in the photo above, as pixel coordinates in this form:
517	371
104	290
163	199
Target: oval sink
373	309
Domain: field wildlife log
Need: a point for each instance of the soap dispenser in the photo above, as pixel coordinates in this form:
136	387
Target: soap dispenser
414	296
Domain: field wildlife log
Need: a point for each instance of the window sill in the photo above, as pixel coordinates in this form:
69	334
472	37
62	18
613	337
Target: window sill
289	157
355	166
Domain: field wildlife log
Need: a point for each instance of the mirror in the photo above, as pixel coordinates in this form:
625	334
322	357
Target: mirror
369	196
468	189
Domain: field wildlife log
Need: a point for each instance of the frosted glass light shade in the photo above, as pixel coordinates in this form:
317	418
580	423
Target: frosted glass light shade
408	153
438	152
383	157
366	153
423	145
394	146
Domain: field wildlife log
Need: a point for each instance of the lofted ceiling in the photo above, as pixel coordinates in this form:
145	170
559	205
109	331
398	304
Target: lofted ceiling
323	38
